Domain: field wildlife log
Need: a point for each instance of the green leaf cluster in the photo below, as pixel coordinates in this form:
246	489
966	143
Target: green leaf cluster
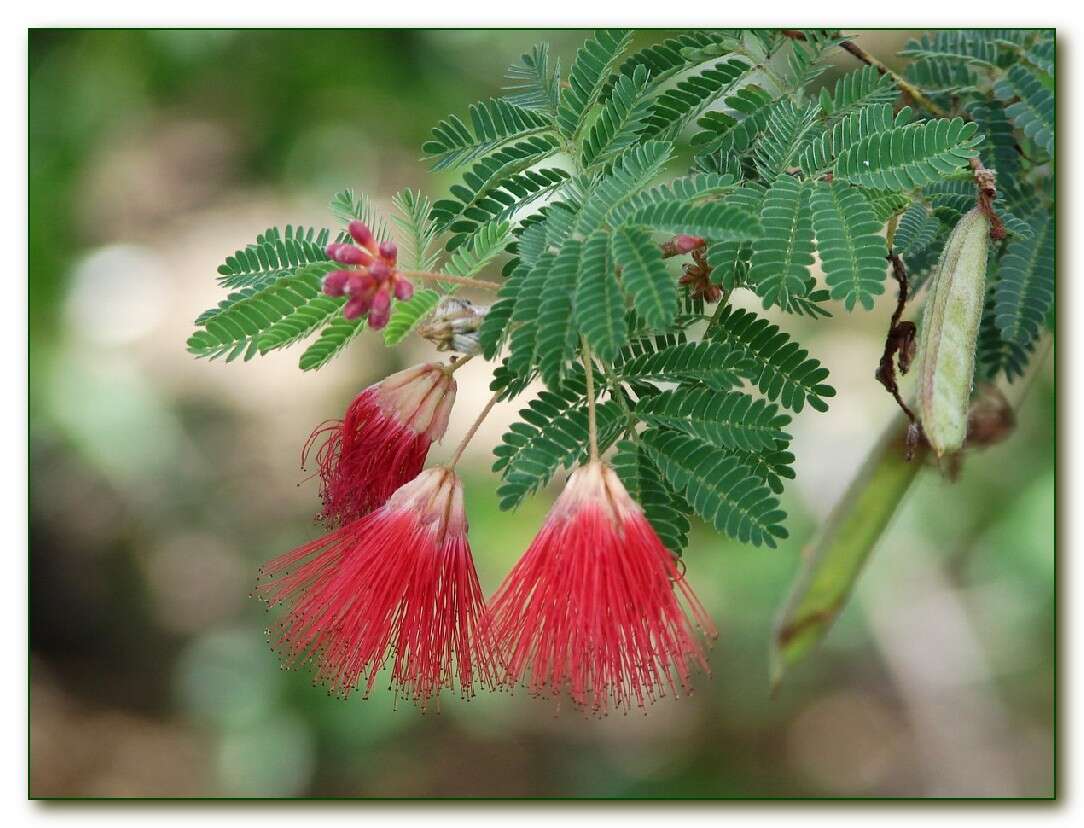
574	184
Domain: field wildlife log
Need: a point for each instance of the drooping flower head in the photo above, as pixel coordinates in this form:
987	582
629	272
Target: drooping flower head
593	606
376	279
382	440
397	585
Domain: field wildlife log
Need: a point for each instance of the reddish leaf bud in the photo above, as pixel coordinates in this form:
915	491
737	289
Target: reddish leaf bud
403	289
361	233
335	282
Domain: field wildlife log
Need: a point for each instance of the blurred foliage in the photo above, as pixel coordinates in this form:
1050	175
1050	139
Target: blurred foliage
159	484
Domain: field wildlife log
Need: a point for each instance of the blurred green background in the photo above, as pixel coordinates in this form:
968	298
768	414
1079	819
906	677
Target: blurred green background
159	483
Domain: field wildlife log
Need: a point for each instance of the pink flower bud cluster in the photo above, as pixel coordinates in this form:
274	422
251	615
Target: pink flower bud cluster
376	280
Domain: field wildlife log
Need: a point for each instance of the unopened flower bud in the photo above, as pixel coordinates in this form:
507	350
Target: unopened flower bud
361	233
359	283
381	300
389	251
403	289
380	270
355	308
378	319
335	282
348	254
684	243
380	311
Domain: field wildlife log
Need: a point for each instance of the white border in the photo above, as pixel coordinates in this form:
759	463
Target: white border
553	13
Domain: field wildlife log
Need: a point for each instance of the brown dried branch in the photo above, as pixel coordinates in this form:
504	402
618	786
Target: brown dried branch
899	348
986	183
908	88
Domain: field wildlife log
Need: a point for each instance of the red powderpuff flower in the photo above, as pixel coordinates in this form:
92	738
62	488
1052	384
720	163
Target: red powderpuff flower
398	585
382	441
592	604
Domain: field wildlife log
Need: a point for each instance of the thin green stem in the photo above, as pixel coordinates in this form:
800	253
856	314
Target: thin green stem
588	372
890	231
616	393
456	364
454	280
713	323
912	91
473	430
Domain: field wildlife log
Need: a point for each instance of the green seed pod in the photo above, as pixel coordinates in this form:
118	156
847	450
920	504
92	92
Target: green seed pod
950	328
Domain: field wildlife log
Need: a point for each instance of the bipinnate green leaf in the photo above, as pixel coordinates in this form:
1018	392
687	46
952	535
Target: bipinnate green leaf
1025	282
590	69
851	248
781	368
620	120
274	254
782	256
664	510
535	84
336	335
493	123
726	419
718	222
719	487
632	171
1033	105
599	301
909	156
557	337
644	275
719	365
258	321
